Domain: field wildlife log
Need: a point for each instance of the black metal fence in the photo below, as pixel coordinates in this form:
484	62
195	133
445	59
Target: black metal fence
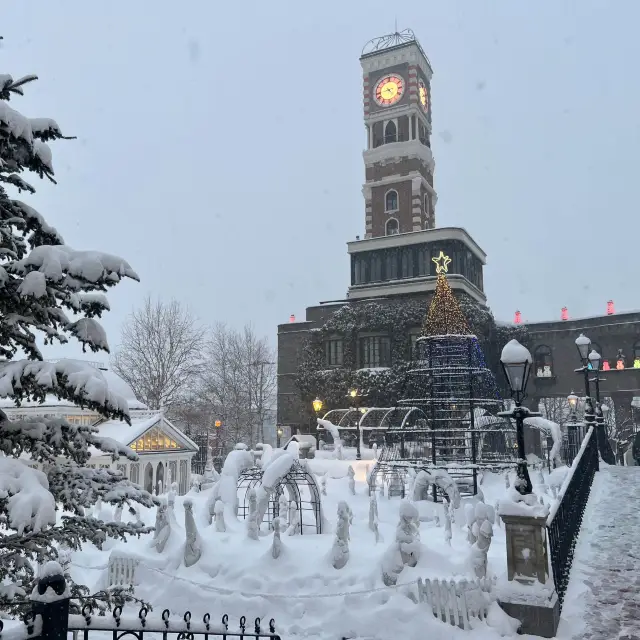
563	525
49	619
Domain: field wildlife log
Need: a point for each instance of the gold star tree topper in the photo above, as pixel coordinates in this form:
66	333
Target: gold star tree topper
442	263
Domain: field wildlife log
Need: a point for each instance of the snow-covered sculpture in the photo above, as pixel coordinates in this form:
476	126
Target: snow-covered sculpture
374	448
225	489
195	485
323	483
162	528
373	511
294	519
547	371
340	549
171	513
408	534
218	511
169	479
441	479
470	518
335	434
252	519
276	544
193	544
392	565
352	480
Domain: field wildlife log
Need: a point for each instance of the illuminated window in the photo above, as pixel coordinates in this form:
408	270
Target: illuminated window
543	362
155	440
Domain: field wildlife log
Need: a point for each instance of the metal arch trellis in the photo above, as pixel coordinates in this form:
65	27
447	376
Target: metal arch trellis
295	479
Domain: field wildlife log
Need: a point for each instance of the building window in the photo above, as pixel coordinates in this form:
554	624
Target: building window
390	132
334	353
392	227
407	263
134	473
122	468
391	200
376	268
391	265
414	353
543	362
423	262
375	351
154	440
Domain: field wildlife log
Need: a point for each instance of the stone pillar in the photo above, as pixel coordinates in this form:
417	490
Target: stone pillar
529	595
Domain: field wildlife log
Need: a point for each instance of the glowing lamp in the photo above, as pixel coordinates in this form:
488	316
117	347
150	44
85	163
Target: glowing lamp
564	313
518	318
594	359
280	431
217	424
353	393
636	363
610	308
620	364
572	399
606	366
317	405
516	364
292	317
583	343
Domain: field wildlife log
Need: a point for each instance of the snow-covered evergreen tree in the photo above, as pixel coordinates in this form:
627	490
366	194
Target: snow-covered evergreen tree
41	280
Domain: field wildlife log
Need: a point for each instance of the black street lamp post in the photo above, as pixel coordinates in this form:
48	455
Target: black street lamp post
583	345
516	364
355	396
279	433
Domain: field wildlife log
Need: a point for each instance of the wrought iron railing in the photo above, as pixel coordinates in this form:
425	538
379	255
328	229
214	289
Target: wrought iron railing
565	518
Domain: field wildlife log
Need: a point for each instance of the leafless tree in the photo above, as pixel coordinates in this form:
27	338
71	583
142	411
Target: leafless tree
160	352
555	409
238	383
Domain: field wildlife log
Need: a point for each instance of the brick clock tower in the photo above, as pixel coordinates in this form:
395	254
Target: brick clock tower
398	192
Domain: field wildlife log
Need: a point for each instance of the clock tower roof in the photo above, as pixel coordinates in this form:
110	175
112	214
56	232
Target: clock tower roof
393	42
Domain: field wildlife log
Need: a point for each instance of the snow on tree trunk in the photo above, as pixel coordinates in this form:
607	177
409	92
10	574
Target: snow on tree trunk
373	511
162	528
252	519
352	480
193	544
218	511
276	544
340	549
408	533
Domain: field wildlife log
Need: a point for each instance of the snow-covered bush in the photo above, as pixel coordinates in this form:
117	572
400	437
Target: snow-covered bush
193	544
252	518
294	519
448	508
41	280
218	511
276	544
352	480
408	534
162	528
340	549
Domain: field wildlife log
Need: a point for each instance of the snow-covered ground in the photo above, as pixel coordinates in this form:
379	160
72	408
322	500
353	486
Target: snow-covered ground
301	589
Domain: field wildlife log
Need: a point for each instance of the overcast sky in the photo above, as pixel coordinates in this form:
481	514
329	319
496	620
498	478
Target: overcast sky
219	144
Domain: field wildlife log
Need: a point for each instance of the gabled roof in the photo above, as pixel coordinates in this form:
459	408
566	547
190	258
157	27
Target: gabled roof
121	432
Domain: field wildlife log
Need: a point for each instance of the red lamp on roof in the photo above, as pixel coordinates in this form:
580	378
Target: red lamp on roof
517	318
564	313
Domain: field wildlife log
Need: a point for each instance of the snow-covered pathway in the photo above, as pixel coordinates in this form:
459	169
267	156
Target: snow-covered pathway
603	598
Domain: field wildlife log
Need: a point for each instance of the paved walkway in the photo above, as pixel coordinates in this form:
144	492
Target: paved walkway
604	591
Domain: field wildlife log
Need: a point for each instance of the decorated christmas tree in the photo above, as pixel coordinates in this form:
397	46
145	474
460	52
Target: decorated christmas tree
454	394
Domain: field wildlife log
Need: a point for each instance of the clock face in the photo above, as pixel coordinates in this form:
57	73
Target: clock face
423	95
388	90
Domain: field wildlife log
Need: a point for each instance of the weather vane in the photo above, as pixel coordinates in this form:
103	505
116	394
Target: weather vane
442	263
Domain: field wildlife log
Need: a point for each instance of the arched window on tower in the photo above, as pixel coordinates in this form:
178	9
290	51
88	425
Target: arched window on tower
543	362
390	132
392	227
391	200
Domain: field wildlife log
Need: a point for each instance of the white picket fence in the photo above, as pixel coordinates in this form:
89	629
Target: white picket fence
456	602
121	571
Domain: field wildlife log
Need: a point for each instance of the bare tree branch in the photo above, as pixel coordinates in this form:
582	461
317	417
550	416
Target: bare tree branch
160	352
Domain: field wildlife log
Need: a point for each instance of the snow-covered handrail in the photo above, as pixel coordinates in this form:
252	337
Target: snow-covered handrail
569	477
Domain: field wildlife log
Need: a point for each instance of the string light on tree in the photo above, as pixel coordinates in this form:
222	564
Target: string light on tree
444	316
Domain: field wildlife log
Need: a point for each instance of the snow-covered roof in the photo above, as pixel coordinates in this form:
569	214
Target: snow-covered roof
121	432
115	383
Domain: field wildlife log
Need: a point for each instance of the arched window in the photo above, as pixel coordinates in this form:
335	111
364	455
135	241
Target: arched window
160	478
391	200
148	478
390	132
134	473
392	227
184	479
543	362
